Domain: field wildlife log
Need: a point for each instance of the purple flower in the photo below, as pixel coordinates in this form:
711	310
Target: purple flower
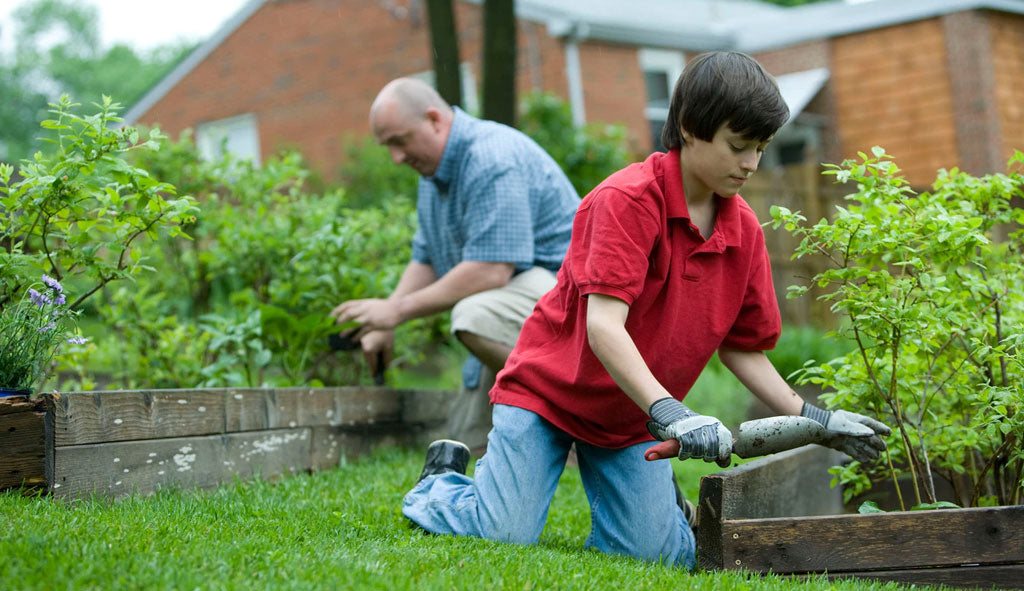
53	284
78	340
48	327
37	298
61	300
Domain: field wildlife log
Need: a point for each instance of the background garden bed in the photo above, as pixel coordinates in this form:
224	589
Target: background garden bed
778	514
117	443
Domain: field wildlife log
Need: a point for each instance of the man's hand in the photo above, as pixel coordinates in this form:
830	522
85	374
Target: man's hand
370	314
699	436
853	434
378	346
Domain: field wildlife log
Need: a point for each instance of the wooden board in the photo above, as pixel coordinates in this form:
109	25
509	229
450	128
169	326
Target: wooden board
1005	576
16	404
82	418
787	484
839	543
121	468
22	449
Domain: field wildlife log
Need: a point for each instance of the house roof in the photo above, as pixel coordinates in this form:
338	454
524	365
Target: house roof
695	25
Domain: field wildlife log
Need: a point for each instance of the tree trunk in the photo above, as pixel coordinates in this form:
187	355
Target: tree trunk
444	43
499	61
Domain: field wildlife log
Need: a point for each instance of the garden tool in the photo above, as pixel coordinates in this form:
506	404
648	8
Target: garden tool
343	341
758	437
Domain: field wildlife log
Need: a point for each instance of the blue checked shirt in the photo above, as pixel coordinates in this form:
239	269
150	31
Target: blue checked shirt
496	197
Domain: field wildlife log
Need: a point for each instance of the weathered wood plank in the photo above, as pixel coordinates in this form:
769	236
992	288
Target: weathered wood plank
1003	576
11	405
121	468
22	449
331	444
793	483
787	484
82	418
839	543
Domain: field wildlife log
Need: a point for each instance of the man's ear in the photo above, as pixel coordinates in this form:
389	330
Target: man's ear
434	117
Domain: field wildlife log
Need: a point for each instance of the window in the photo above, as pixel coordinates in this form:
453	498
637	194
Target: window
470	100
661	69
238	136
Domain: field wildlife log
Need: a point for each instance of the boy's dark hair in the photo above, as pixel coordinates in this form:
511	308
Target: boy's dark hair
724	87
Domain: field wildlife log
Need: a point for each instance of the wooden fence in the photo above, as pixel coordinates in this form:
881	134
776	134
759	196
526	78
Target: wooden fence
117	443
798	187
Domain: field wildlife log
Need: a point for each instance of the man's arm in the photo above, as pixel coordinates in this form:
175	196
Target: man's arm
418	295
854	434
463	280
608	339
698	436
757	373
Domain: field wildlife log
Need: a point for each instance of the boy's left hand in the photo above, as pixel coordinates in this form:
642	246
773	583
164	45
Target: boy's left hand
853	434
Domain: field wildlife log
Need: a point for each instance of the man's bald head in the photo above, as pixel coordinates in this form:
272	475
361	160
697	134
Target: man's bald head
411	96
412	121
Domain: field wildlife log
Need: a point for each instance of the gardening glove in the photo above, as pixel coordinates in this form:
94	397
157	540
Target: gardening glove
699	436
856	435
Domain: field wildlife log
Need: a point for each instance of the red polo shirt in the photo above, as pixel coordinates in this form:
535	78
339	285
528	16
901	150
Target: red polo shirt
632	239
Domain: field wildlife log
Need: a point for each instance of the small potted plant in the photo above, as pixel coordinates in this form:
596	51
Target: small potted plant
32	329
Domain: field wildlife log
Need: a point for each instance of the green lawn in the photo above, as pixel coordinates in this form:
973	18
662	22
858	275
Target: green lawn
338	529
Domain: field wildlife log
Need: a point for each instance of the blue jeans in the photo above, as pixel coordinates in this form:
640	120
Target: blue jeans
633	510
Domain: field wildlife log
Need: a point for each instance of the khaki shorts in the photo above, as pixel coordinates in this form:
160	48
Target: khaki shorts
496	314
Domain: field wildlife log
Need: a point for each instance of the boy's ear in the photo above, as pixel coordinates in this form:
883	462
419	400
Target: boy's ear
687	136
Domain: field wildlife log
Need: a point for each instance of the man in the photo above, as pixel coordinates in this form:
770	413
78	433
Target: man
495	213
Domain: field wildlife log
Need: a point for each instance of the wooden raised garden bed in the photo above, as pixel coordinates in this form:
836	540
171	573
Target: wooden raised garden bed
778	514
117	443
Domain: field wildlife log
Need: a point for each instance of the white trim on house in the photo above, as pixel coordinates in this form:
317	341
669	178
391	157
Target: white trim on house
799	88
238	136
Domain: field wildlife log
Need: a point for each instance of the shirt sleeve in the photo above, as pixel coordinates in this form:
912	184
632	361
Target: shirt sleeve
419	248
758	325
610	248
497	222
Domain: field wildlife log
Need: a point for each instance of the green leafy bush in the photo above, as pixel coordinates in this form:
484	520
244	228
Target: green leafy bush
81	215
936	321
371	179
81	211
246	302
586	154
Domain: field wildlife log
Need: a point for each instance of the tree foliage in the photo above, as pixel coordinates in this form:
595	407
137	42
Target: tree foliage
57	50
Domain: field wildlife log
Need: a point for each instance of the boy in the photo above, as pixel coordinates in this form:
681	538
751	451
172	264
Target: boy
666	265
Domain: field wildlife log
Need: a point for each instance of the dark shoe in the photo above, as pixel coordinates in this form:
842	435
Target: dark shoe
689	511
445	455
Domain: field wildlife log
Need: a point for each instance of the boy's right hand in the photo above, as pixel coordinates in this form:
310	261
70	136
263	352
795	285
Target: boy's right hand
699	436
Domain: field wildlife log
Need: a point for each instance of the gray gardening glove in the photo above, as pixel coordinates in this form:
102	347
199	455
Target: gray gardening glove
853	434
699	436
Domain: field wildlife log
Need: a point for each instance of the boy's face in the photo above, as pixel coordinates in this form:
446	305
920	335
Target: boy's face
725	163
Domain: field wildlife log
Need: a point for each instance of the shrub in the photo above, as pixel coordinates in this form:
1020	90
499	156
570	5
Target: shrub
586	154
936	322
246	302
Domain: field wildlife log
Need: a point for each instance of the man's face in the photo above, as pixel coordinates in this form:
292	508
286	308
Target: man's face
726	162
416	141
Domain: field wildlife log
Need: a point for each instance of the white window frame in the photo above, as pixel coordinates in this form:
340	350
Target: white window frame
670	62
242	135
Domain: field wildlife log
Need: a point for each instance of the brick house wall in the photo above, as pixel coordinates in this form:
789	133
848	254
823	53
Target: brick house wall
313	89
893	89
1007	33
808	56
